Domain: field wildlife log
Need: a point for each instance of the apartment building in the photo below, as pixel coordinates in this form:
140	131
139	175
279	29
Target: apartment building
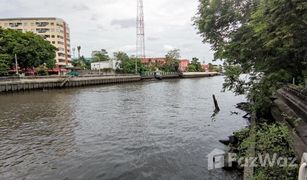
54	30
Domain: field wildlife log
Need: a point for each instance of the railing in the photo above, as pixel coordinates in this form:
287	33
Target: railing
162	73
303	167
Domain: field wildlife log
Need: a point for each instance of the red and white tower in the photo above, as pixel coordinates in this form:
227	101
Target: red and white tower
140	32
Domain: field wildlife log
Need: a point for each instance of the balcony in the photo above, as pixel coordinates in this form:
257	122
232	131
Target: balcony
42	30
42	24
13	25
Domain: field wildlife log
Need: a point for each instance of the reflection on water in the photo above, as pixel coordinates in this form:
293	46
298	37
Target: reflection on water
150	130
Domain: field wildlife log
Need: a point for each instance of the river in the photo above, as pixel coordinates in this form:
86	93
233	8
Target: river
145	130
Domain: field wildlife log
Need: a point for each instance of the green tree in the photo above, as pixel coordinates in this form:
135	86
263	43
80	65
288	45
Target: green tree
101	56
5	61
172	61
121	56
32	50
82	63
127	64
79	51
195	65
264	38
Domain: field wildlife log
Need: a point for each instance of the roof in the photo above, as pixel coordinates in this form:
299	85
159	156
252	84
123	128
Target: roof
30	18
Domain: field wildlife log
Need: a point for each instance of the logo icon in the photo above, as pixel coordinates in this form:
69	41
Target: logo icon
216	159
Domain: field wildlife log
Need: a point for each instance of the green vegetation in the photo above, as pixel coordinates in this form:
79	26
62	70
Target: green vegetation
101	56
266	41
195	66
32	50
172	61
270	139
42	70
5	62
82	63
127	64
264	38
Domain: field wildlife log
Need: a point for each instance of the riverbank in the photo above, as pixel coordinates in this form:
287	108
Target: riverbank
26	84
52	82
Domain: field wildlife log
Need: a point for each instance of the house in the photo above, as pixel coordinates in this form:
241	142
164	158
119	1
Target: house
147	61
205	67
111	64
183	65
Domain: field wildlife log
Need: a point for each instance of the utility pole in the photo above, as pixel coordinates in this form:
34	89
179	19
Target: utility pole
16	64
140	33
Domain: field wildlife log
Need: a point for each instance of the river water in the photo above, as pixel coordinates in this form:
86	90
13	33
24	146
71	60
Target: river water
145	130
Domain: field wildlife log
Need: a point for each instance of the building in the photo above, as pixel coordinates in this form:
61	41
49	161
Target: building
111	64
160	61
183	65
54	30
205	67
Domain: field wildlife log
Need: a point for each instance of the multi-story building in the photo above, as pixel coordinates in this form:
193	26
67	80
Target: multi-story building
54	30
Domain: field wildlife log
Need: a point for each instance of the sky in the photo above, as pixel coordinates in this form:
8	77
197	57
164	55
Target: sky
111	24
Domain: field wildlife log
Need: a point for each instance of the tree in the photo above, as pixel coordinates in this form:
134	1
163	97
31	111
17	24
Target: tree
195	65
5	61
172	61
101	56
264	38
82	63
121	56
79	51
31	49
127	64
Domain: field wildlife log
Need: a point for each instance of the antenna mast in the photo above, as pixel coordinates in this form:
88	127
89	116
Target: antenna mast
140	32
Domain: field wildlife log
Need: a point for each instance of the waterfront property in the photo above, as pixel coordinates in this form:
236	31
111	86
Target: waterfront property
54	30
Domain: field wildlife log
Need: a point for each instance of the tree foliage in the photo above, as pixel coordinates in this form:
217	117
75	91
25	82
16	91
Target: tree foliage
271	139
264	38
195	65
127	64
101	56
82	63
172	61
32	50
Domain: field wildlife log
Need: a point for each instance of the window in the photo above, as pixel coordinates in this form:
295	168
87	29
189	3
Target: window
42	24
15	24
53	42
42	30
52	36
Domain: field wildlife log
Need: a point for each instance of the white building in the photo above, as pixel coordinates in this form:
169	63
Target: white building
111	64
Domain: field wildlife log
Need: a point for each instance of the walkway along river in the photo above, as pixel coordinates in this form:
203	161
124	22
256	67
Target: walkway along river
142	130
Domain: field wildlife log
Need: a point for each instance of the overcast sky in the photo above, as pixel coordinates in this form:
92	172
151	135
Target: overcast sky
110	24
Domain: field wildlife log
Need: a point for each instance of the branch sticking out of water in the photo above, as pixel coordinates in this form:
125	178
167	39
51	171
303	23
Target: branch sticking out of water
217	108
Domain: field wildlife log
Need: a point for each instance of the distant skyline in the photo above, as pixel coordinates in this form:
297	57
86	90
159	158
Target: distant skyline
110	24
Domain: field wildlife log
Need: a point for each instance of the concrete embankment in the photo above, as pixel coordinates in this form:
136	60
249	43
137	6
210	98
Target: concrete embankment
25	84
198	74
32	83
